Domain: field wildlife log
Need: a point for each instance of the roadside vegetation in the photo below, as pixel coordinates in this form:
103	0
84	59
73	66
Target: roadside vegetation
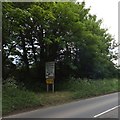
16	99
67	33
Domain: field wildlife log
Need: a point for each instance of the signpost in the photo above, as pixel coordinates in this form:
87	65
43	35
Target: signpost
50	74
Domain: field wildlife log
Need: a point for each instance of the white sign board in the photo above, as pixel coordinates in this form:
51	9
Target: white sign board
50	69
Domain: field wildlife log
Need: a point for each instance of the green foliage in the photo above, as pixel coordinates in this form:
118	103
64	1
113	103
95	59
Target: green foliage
86	88
36	32
10	82
17	99
66	33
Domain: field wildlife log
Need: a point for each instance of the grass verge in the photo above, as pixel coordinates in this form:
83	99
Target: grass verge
88	88
15	99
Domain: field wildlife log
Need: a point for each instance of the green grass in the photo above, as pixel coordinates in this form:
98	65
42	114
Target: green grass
88	88
15	99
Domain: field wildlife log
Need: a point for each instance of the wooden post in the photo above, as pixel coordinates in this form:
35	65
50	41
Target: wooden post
47	87
53	87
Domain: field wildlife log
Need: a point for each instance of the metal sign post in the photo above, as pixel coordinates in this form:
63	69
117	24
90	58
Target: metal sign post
50	74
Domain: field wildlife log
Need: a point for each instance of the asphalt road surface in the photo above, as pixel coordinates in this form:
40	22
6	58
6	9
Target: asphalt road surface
110	114
98	107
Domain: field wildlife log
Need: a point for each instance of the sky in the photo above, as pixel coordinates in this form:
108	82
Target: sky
107	10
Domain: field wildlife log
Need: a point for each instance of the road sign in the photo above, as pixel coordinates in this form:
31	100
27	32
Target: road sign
50	74
49	81
50	70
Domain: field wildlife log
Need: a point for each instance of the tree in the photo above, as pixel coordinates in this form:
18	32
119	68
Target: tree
66	33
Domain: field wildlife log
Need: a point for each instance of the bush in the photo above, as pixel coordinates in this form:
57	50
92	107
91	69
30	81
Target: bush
85	88
16	96
14	99
13	83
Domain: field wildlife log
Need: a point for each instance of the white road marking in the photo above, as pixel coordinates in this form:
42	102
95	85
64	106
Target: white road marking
106	111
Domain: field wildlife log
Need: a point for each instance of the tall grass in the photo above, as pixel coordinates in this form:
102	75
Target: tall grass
87	88
15	98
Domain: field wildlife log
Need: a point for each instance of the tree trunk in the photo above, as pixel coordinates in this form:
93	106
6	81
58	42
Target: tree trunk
25	59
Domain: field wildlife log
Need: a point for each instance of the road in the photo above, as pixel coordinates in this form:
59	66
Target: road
98	107
111	114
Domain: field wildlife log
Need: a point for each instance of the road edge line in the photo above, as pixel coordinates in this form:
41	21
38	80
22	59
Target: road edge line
106	111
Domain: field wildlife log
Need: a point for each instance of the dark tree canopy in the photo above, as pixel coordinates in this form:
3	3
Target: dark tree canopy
34	33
